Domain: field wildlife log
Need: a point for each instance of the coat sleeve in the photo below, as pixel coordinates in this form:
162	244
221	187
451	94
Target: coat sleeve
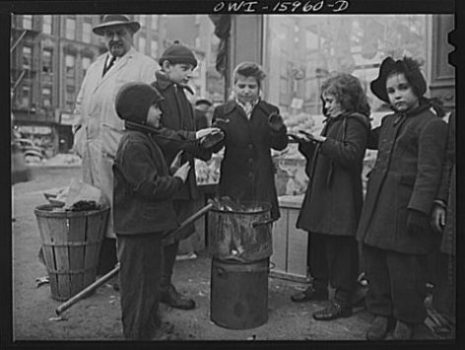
278	139
218	115
140	171
449	161
350	151
432	142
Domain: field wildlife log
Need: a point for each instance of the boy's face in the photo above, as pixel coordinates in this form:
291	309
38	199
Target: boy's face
118	40
179	73
154	116
400	93
246	88
332	106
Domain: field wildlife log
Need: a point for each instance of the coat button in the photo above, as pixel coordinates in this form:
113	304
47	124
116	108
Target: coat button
250	160
250	146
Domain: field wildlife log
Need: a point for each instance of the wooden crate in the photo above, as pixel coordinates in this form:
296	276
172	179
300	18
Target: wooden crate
289	259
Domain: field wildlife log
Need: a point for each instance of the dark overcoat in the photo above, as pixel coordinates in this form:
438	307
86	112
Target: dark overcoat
333	199
406	176
247	170
178	131
143	187
447	190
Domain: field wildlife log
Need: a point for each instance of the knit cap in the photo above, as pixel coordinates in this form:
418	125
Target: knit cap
133	101
178	53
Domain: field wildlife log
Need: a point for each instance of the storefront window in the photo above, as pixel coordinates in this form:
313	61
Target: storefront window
354	44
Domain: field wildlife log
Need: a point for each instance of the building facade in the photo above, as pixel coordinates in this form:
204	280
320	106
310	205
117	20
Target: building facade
51	53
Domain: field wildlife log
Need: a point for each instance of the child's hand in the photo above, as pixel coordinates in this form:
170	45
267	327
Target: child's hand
176	163
438	220
183	171
312	137
207	131
275	121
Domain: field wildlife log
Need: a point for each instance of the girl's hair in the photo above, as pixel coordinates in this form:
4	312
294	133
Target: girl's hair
249	69
348	91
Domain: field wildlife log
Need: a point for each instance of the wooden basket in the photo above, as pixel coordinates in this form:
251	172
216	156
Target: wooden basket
71	242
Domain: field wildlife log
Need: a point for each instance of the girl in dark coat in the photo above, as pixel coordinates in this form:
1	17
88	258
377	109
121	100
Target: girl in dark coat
394	225
333	200
252	127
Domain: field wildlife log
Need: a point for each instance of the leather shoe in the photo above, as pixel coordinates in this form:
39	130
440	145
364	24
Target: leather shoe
378	329
333	311
310	294
169	295
402	331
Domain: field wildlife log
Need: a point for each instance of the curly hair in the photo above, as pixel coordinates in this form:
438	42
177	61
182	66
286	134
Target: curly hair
348	91
249	69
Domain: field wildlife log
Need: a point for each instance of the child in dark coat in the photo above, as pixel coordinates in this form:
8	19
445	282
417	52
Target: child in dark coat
333	200
395	221
143	208
179	134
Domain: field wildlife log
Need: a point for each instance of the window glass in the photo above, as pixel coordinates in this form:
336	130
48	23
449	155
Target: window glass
154	49
25	96
154	21
27	21
47	66
27	57
47	24
142	44
86	32
85	65
354	44
46	96
70	28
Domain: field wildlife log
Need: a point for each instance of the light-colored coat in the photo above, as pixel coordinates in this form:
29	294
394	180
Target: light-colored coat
101	129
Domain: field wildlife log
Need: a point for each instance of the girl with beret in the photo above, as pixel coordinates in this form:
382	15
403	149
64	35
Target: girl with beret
333	200
394	225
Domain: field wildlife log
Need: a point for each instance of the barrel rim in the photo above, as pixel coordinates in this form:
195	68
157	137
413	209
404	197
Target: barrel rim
266	207
45	210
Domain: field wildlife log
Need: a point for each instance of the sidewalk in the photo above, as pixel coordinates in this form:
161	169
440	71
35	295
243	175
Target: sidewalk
98	316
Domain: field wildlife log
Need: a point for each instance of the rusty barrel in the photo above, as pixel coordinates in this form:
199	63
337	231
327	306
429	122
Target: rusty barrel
243	234
71	242
239	293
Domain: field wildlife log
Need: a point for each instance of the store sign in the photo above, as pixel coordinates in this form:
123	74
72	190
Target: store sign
37	130
67	119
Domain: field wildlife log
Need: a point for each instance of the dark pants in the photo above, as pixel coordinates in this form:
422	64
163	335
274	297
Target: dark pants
107	258
183	210
397	284
141	259
334	259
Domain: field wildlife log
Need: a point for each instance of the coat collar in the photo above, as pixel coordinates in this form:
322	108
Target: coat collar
164	83
230	105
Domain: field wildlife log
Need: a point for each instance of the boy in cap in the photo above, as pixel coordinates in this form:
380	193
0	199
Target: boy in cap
143	209
177	63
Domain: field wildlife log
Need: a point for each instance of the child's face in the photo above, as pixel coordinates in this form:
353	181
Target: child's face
332	106
154	116
179	73
246	88
400	93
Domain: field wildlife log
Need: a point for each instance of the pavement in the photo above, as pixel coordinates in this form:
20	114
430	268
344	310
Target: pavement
98	317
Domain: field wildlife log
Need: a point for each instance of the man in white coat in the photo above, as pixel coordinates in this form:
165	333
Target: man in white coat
98	129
